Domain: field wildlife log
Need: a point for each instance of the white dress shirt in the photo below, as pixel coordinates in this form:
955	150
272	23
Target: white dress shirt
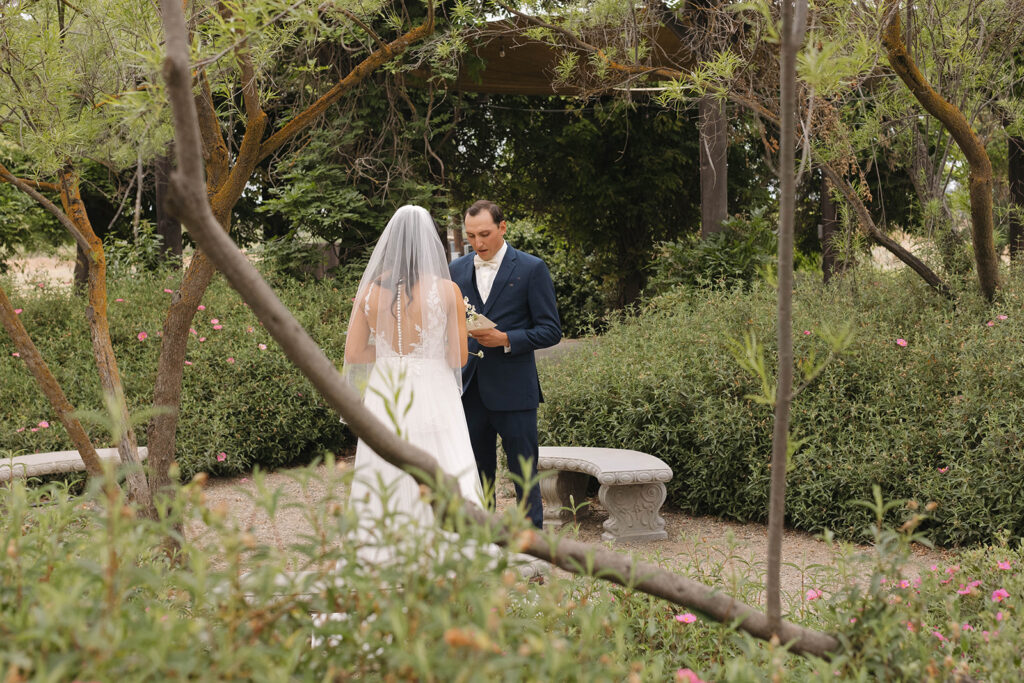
486	271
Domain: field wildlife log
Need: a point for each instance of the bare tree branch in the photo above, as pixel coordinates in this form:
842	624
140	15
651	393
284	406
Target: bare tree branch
189	202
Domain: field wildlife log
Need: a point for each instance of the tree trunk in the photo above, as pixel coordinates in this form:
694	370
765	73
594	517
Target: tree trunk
794	15
48	384
102	347
869	227
1015	177
167	226
980	175
831	261
714	147
225	182
81	277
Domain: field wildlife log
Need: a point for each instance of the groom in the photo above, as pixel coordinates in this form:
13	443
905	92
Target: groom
501	390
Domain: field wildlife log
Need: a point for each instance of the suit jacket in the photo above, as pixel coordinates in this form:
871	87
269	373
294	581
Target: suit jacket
522	304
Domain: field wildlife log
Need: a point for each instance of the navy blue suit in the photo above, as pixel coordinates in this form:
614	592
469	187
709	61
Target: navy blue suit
501	391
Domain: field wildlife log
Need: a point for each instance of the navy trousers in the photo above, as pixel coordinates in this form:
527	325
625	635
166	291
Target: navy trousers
518	432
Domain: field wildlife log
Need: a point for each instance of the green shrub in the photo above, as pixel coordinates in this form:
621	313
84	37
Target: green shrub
746	246
239	399
86	593
937	420
581	298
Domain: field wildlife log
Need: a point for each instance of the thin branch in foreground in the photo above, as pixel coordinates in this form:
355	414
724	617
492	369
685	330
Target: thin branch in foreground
189	203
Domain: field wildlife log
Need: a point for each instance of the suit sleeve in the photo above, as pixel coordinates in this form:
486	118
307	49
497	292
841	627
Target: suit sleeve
545	326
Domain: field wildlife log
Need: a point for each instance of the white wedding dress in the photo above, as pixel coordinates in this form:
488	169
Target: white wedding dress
403	351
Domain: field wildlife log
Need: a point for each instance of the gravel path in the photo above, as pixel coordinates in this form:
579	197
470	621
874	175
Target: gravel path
697	546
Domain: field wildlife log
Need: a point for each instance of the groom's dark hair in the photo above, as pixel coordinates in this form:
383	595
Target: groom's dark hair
488	206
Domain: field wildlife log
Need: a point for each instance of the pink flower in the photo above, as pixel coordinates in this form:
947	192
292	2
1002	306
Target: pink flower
990	323
218	327
214	321
999	595
222	456
966	627
911	627
939	635
901	342
202	339
853	620
16	354
813	594
943	470
262	347
688	676
953	570
40	285
904	583
19	430
188	362
687	618
34	429
999	616
192	330
231	360
200	307
1005	565
168	291
43	424
249	330
807	331
119	300
143	336
17	311
1001	317
934	567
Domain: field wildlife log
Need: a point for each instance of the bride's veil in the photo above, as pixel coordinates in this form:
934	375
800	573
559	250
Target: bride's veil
406	305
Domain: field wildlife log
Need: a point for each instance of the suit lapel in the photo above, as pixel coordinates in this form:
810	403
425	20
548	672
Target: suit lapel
473	292
508	264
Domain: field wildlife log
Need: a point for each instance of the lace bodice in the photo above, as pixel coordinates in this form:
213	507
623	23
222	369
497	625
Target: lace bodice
419	331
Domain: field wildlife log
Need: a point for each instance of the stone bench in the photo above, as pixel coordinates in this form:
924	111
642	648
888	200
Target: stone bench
57	462
632	489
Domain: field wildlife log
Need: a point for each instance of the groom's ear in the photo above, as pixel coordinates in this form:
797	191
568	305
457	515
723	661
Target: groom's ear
502	227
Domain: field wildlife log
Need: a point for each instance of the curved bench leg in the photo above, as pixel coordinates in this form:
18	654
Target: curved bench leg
561	494
633	512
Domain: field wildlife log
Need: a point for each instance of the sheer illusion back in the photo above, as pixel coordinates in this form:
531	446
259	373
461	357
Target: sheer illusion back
406	305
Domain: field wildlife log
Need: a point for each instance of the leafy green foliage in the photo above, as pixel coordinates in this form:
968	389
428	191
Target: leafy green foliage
581	305
934	420
238	398
745	248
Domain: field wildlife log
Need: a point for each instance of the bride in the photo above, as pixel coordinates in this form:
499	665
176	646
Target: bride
405	349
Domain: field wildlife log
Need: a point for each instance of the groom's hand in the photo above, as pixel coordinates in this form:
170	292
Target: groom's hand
491	338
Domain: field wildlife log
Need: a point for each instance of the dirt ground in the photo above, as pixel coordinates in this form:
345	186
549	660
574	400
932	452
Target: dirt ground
694	544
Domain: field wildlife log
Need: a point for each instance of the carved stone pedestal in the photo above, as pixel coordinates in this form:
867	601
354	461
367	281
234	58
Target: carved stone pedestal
632	489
